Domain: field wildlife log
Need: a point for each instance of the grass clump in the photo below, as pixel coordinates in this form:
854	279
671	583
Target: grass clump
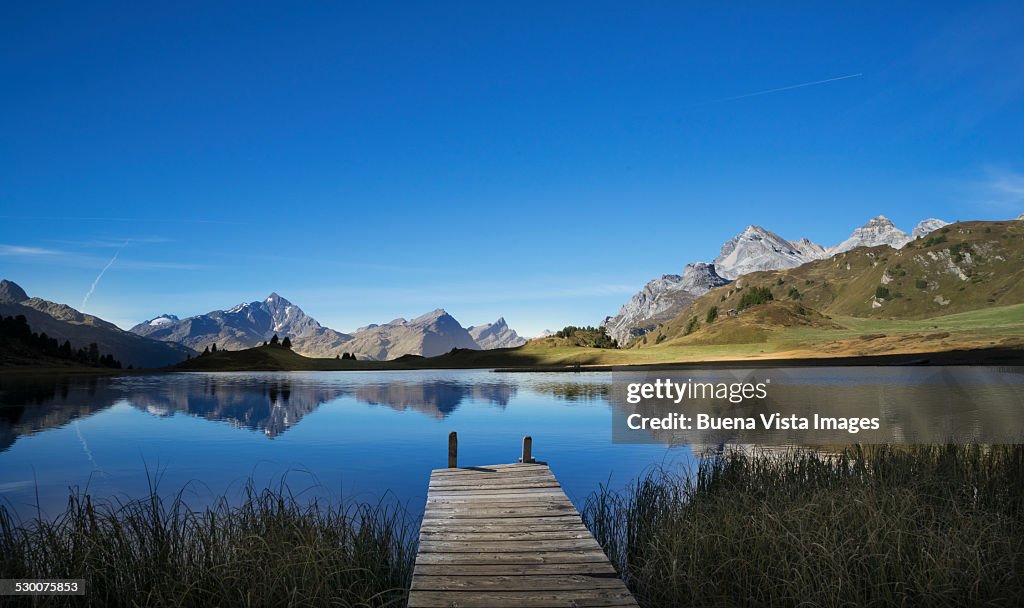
270	550
920	526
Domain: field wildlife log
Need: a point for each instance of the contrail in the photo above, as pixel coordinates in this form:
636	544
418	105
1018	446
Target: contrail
85	447
790	87
100	275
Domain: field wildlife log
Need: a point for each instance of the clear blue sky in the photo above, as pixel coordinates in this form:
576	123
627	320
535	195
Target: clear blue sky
539	161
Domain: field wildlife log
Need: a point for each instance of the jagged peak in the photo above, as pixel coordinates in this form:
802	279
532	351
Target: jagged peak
701	267
12	292
437	313
274	297
755	229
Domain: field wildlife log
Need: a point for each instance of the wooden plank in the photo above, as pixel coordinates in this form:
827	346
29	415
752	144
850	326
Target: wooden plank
498	491
531	535
548	522
524	598
495	467
557	522
463	474
521	482
507	536
593	568
534	582
529	557
496	503
508	546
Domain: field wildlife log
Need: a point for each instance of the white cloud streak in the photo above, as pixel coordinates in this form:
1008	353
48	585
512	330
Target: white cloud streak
21	251
1001	190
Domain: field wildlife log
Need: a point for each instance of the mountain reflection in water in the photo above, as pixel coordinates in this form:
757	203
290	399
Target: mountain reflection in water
268	404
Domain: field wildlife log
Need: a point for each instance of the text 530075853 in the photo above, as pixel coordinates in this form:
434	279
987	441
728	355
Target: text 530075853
41	586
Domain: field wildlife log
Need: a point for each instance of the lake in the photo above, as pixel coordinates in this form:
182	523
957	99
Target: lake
363	436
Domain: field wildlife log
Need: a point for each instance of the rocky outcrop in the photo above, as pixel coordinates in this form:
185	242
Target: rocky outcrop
660	300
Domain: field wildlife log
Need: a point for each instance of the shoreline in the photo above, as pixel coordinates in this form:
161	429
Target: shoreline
977	357
965	357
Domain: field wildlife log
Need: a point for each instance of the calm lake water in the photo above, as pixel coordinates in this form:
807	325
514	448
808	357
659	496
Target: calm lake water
360	436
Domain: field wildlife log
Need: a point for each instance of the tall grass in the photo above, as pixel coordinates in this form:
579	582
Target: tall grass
269	549
890	526
893	526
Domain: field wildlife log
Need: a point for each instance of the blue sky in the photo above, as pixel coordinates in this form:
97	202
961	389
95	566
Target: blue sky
540	161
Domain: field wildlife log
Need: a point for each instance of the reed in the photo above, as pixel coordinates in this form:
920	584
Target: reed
268	549
888	526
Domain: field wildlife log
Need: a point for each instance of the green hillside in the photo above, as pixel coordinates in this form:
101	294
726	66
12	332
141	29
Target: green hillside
967	267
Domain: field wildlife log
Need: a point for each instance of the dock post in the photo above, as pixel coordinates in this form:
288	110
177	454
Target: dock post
527	450
453	450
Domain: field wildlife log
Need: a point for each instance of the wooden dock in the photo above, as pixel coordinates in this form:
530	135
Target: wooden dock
507	535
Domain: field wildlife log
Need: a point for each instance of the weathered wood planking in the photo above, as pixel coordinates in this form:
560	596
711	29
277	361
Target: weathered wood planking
507	536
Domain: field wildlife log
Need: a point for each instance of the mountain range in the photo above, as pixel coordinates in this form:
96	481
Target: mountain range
251	324
960	268
755	249
64	323
248	325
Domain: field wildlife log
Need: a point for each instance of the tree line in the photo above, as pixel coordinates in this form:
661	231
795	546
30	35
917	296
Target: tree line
17	328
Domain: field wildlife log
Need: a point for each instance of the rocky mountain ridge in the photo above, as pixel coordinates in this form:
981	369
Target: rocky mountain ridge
495	335
250	324
753	250
63	322
433	333
962	267
247	325
660	300
759	249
